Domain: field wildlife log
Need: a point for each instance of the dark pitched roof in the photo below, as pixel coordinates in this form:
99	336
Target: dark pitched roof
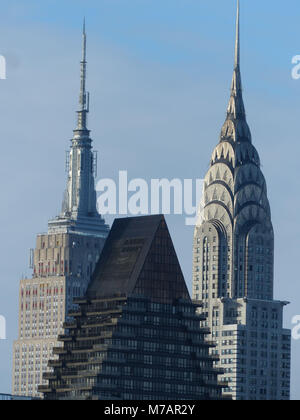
139	259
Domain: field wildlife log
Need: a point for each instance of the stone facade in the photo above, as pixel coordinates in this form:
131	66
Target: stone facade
233	262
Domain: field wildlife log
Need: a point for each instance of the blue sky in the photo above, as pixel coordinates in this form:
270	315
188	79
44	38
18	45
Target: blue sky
159	74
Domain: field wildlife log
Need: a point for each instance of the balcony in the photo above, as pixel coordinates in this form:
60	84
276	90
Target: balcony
65	338
212	383
72	388
205	369
63	388
206	343
49	375
80	301
69	372
86	336
75	313
59	350
203	330
101	323
70	325
45	389
103	311
55	363
81	348
77	363
214	357
205	357
223	384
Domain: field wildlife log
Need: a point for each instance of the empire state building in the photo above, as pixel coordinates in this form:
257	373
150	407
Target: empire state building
233	262
63	260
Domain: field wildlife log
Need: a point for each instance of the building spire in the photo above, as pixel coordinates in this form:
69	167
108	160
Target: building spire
236	105
237	39
84	96
236	111
79	210
236	87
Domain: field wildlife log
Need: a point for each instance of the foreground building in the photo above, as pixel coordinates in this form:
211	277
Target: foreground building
136	333
62	262
233	263
8	397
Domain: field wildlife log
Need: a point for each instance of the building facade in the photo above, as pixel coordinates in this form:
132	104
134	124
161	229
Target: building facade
9	397
62	262
233	262
136	333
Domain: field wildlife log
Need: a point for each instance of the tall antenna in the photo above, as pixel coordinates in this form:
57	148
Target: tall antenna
237	39
84	96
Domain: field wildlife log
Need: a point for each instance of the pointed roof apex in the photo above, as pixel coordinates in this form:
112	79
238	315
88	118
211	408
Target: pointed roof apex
236	82
237	39
83	26
127	262
236	86
83	42
236	110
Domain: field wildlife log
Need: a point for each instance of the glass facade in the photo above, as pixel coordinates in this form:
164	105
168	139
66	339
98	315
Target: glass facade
134	349
136	334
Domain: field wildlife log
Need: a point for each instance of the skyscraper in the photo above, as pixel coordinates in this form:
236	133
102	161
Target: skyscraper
233	262
136	333
63	260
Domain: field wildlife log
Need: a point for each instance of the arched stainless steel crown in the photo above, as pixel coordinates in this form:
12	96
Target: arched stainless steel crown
235	198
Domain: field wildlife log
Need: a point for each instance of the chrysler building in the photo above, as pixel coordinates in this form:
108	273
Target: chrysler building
63	260
233	262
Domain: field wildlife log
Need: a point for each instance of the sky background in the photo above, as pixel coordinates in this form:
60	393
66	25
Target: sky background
159	73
